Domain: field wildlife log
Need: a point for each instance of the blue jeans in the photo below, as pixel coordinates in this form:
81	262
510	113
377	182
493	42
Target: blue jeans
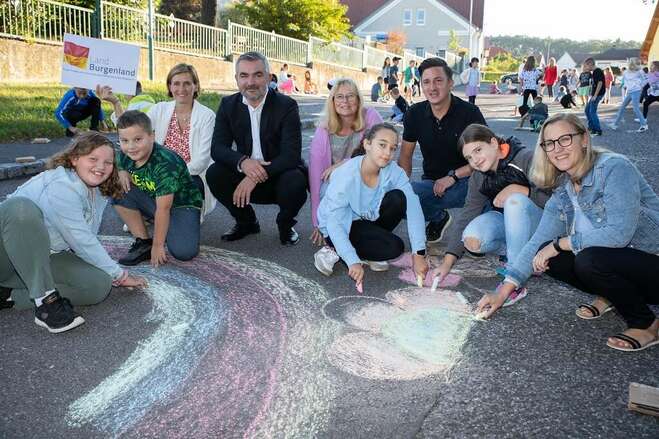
509	230
434	207
635	98
591	113
184	223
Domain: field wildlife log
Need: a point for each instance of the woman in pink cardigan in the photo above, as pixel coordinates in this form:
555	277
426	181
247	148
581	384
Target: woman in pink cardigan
339	132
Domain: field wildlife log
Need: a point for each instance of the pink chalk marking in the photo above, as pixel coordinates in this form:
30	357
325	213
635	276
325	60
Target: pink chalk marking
404	261
408	276
218	396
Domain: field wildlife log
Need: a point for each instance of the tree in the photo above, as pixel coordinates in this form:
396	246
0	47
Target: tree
91	4
396	41
453	42
297	18
183	9
208	10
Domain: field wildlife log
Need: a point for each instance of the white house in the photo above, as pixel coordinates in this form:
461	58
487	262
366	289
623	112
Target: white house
425	23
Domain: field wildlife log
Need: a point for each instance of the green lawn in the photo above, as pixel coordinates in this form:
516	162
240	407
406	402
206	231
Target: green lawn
27	111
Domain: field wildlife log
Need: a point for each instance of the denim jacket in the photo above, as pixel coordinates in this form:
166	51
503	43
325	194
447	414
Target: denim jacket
615	197
72	217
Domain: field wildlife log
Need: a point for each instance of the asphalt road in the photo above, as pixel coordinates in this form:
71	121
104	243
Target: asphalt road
250	340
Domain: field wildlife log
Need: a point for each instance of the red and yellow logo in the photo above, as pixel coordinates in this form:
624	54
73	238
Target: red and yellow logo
76	55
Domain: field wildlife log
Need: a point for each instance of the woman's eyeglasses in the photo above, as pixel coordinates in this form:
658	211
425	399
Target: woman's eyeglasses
564	141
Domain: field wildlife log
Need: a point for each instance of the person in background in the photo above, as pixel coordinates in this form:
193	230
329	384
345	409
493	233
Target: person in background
76	105
573	80
494	90
140	101
273	82
644	90
472	78
536	115
386	72
286	81
564	81
340	132
400	106
568	101
621	82
377	90
608	83
551	74
597	92
310	87
529	78
598	233
409	76
394	72
585	82
653	88
633	79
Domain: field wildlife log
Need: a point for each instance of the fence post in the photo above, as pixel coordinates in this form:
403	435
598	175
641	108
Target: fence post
229	43
149	38
365	58
310	51
98	20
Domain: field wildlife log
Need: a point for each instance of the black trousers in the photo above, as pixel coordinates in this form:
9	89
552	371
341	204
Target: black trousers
288	190
472	100
528	92
550	90
374	240
77	114
649	99
626	277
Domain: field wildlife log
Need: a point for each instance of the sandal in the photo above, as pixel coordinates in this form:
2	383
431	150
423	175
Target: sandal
636	345
596	313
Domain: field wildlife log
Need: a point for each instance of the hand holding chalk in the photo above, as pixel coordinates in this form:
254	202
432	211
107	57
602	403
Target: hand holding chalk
435	283
419	280
356	272
360	287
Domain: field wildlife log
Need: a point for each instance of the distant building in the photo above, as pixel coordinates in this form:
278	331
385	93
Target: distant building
425	23
650	48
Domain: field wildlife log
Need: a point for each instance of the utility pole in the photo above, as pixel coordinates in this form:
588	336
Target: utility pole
149	39
471	13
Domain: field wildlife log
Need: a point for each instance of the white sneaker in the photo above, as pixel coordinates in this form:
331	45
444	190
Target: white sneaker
636	119
613	126
642	129
125	228
377	265
324	260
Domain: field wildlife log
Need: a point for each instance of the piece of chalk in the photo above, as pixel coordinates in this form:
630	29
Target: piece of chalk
481	316
419	280
435	284
360	288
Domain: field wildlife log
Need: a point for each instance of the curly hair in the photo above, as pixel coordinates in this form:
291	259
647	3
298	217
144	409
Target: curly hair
84	144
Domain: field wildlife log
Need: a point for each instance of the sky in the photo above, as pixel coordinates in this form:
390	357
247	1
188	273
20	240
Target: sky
589	19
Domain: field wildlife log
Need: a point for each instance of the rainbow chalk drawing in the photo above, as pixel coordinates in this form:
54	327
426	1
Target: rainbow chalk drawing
239	350
411	334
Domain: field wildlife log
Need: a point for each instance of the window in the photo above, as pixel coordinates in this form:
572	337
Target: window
420	17
407	17
421	51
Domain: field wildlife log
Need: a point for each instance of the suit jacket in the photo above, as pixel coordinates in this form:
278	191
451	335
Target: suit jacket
281	134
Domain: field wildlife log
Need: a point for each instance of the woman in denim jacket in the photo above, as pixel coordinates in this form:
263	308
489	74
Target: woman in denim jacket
599	232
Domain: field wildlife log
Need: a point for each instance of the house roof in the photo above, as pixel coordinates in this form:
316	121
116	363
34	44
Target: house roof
618	54
359	10
649	38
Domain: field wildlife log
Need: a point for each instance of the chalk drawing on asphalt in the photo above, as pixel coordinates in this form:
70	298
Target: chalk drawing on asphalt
239	349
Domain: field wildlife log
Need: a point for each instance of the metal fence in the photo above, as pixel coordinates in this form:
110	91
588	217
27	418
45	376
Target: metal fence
47	20
131	25
275	47
44	20
335	53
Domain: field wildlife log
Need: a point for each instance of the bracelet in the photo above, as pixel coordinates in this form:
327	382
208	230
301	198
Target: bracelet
556	244
240	162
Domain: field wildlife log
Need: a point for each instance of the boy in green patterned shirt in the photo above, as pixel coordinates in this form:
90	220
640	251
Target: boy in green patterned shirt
158	186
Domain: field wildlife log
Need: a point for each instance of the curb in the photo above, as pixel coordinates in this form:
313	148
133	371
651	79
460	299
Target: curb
14	170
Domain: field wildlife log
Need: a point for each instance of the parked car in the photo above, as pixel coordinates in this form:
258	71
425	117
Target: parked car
514	77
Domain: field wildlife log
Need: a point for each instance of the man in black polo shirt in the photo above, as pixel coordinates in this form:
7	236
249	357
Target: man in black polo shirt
437	124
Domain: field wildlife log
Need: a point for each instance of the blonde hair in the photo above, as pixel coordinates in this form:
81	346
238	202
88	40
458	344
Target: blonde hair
183	68
543	173
633	64
83	144
331	119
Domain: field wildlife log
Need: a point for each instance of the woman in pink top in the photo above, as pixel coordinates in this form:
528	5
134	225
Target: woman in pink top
339	132
551	74
608	81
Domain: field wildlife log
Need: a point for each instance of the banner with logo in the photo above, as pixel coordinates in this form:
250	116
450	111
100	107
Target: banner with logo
88	62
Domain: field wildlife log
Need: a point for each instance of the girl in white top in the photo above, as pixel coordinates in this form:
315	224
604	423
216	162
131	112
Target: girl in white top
634	81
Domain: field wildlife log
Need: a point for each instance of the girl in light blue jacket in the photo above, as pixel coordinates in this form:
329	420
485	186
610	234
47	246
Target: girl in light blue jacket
599	232
49	252
365	200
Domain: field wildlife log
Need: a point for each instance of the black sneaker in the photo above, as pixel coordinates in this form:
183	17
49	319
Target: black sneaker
56	314
140	251
240	230
435	229
5	301
288	236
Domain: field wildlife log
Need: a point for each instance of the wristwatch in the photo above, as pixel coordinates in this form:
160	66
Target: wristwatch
556	245
451	174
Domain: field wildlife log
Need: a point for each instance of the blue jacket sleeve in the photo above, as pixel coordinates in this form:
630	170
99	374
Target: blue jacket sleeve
339	222
416	225
549	228
68	97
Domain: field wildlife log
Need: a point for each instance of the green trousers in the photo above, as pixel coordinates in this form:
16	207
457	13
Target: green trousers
28	267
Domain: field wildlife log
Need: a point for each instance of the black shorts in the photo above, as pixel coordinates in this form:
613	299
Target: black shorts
392	86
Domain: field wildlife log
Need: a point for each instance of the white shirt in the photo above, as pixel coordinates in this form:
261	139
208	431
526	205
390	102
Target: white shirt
255	121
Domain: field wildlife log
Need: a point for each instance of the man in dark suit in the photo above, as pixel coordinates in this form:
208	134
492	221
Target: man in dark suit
266	167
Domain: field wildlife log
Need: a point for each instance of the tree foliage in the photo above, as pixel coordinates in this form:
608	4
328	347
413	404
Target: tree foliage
521	45
504	62
453	42
183	9
297	18
91	4
396	41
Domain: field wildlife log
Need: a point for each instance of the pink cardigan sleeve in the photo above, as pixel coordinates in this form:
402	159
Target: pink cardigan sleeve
320	158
